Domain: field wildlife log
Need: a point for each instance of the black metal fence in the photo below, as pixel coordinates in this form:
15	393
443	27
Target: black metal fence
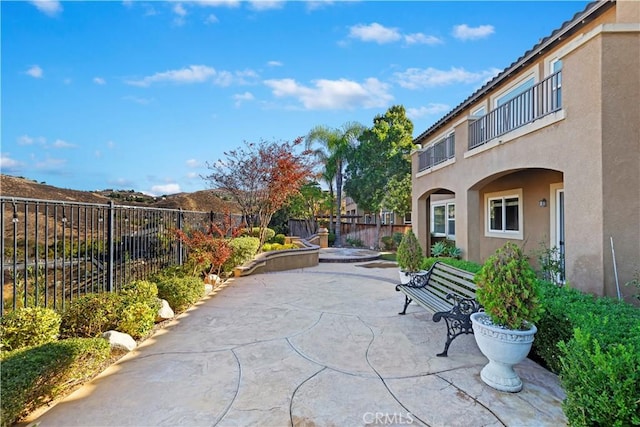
55	251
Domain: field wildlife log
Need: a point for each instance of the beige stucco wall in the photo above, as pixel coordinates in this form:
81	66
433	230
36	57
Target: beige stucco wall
592	146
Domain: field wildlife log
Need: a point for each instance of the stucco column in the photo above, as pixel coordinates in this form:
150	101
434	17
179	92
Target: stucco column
469	226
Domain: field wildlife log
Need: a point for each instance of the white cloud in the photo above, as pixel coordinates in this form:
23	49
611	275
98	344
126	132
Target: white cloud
29	140
211	19
275	64
179	10
7	164
35	72
260	5
420	38
192	74
58	143
240	98
334	94
51	164
48	7
374	33
417	78
465	32
431	109
218	3
318	4
165	189
138	100
99	81
193	163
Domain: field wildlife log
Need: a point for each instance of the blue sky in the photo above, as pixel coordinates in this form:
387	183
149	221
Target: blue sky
141	95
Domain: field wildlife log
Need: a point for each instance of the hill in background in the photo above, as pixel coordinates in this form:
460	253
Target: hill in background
205	200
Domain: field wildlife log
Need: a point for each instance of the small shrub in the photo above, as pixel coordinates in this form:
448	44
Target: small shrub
387	243
141	291
269	233
397	238
602	382
469	266
279	238
26	327
508	288
34	376
356	243
90	315
267	247
243	249
331	238
439	249
179	291
409	254
137	319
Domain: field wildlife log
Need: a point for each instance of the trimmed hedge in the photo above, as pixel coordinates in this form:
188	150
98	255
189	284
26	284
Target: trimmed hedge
469	266
178	290
27	327
593	343
243	249
34	376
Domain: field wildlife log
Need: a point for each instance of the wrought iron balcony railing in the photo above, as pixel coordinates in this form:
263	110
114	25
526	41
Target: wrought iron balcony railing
542	99
437	153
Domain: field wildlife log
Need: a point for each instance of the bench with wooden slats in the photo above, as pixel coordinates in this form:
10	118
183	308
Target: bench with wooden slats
450	293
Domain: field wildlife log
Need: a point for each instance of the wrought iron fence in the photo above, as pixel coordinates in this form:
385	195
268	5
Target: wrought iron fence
55	251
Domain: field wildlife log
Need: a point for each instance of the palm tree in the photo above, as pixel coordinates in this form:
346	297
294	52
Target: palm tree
335	145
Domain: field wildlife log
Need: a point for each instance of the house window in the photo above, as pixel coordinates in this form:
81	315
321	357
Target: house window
504	214
407	218
556	84
443	219
387	218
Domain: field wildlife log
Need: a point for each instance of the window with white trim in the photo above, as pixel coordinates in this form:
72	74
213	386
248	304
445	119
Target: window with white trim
504	215
443	219
555	66
388	218
407	218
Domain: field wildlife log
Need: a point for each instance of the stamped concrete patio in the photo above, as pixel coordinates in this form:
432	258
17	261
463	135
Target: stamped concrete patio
322	346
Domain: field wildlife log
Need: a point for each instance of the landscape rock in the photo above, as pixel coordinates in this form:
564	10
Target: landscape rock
120	340
165	312
208	288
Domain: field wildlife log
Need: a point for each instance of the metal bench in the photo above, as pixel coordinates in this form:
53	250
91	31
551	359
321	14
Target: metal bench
450	293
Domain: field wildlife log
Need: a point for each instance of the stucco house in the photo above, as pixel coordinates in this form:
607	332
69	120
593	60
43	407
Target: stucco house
546	153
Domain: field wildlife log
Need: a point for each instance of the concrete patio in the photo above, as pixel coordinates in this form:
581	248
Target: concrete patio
323	346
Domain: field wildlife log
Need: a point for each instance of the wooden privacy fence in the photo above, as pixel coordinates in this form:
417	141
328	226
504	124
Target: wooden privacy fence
54	251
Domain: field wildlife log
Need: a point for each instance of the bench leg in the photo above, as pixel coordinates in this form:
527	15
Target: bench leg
407	300
446	347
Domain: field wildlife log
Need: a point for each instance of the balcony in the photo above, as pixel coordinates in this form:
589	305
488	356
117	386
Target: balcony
540	100
437	153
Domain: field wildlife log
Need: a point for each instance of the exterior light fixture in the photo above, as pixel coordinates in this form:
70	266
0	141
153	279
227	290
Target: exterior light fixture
542	203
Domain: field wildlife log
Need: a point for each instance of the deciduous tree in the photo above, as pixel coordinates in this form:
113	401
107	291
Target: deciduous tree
261	177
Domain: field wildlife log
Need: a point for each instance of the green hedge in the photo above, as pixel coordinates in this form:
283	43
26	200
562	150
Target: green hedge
243	249
178	290
593	343
34	376
469	266
26	327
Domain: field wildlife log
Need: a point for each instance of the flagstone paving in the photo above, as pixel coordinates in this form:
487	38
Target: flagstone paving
320	346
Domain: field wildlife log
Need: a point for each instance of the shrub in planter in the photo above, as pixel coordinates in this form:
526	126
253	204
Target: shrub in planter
508	289
34	376
279	238
243	249
26	327
90	315
409	255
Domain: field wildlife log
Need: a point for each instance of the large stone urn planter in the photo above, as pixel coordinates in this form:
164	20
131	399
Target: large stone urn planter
504	348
